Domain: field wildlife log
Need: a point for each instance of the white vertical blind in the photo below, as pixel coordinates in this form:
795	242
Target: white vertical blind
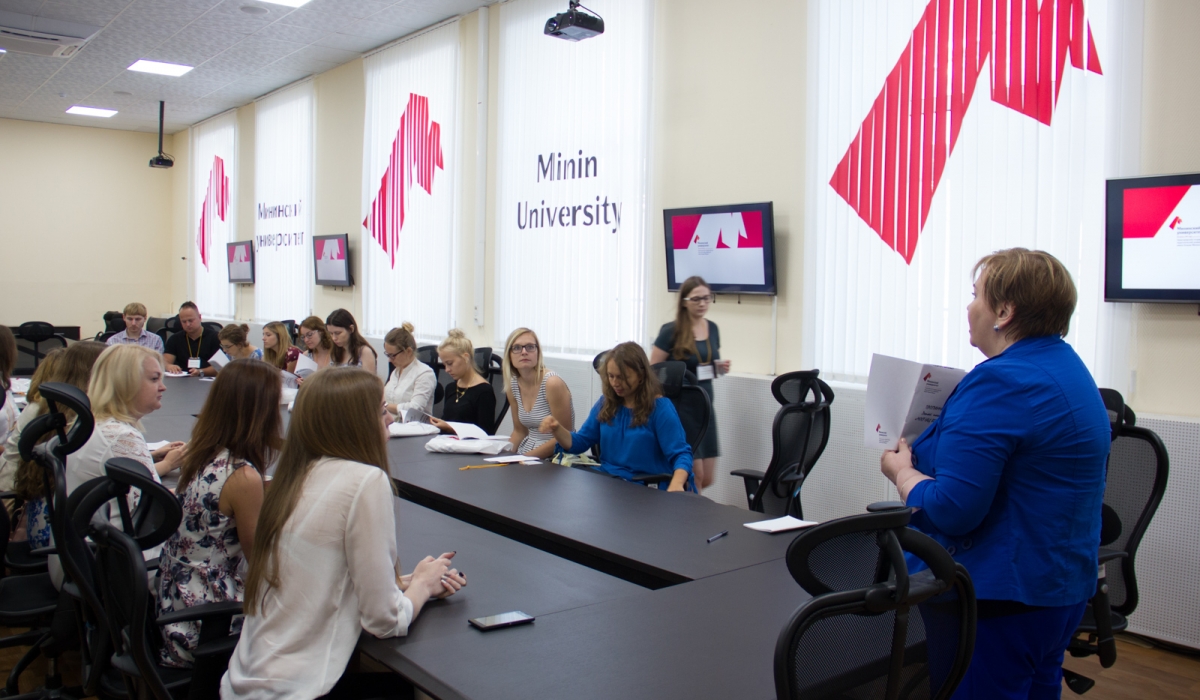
572	181
213	212
410	184
283	210
989	118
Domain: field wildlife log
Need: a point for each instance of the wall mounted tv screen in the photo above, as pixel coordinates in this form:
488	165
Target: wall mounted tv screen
731	246
331	260
241	262
1152	251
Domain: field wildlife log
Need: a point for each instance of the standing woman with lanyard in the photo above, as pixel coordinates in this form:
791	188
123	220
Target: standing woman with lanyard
696	341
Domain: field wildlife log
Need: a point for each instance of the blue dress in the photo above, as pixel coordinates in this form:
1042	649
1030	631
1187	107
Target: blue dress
1018	457
658	446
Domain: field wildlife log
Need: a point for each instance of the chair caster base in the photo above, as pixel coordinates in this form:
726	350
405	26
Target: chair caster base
1077	683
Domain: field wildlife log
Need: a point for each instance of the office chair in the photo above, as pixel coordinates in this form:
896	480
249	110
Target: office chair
36	333
114	323
155	323
873	629
293	330
214	326
169	328
491	368
691	402
128	601
428	355
1138	467
26	601
799	435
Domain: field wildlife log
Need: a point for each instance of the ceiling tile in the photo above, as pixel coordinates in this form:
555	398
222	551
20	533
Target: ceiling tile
25	7
350	42
291	32
328	21
366	28
241	23
96	17
405	15
350	8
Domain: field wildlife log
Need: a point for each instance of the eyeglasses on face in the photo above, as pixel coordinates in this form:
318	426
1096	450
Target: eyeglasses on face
519	349
699	300
392	355
309	335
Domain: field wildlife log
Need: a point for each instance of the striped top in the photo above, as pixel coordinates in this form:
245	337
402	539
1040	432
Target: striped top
532	419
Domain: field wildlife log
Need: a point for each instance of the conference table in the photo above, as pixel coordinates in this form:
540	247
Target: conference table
631	598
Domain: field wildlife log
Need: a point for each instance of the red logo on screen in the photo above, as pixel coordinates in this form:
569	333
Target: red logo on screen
418	146
1175	222
892	168
217	195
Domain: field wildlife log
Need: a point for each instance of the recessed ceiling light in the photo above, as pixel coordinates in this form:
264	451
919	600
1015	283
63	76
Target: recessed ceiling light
289	3
172	69
91	111
254	10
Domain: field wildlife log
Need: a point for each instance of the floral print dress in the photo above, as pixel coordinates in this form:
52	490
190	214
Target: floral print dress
202	562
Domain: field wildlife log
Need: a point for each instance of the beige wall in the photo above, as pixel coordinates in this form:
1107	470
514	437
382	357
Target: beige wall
1167	336
85	224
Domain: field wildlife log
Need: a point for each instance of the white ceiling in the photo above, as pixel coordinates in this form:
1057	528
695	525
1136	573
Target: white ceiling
238	56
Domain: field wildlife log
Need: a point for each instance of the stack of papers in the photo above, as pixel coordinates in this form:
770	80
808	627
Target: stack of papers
783	524
514	459
19	386
411	429
305	366
903	399
175	374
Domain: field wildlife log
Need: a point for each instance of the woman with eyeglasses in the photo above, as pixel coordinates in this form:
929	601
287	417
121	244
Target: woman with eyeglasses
534	392
696	341
317	343
411	386
470	398
235	343
350	348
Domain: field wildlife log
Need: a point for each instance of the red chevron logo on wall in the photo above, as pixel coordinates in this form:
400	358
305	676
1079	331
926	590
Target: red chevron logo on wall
217	195
418	146
892	168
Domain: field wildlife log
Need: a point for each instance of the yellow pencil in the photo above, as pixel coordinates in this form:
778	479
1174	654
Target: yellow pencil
482	466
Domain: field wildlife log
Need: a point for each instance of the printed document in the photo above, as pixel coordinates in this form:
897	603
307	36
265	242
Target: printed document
904	398
305	366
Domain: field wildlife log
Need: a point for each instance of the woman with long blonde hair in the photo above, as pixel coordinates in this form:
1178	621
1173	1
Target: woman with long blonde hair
325	566
534	392
277	346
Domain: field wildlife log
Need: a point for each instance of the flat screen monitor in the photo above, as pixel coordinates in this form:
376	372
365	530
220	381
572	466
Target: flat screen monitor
1152	251
331	260
731	246
241	262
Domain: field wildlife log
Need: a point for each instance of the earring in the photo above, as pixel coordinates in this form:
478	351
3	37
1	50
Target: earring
996	327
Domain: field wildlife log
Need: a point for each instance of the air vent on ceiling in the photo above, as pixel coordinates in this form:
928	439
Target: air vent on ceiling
41	36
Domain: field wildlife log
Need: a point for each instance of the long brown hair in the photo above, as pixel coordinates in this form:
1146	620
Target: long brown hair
71	366
241	414
314	323
629	356
337	414
8	356
278	355
683	342
344	319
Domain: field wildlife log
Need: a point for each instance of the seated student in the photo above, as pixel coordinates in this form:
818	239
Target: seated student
189	351
8	360
277	348
413	382
235	343
317	342
135	321
67	365
534	392
237	435
350	348
12	453
470	398
324	566
637	429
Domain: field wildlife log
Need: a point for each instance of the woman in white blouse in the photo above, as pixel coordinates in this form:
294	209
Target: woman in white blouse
320	578
412	384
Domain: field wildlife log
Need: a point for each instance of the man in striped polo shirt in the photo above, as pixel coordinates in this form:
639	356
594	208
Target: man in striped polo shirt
135	320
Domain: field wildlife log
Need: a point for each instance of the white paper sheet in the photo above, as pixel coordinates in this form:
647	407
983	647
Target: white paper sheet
289	379
411	429
152	446
175	374
19	386
219	359
510	459
305	365
783	524
468	431
903	399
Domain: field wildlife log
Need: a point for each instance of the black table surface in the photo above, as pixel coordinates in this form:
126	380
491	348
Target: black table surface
644	535
502	576
184	396
712	638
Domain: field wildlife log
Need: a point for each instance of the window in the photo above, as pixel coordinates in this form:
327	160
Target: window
213	207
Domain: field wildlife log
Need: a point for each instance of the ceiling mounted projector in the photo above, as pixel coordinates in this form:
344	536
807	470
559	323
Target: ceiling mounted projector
162	160
574	25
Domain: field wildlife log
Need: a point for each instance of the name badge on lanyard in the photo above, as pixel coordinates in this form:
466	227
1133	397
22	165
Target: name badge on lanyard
193	363
705	372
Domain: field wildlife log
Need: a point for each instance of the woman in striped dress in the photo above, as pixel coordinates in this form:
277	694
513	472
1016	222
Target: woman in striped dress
533	393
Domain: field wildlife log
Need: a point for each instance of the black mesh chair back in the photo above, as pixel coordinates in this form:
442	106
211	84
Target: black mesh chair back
491	368
691	402
1138	467
874	629
35	333
170	327
155	323
597	360
114	322
428	355
292	329
797	387
214	326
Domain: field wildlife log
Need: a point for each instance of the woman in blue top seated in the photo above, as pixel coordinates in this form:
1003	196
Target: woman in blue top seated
1010	477
637	429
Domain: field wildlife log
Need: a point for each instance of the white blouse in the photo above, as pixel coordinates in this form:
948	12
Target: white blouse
337	569
12	445
411	387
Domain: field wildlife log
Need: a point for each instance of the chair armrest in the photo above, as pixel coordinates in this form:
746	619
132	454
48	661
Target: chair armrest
43	551
649	479
747	474
8	494
880	506
1107	555
201	612
152	564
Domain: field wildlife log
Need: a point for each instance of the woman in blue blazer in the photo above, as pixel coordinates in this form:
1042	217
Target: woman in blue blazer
1010	477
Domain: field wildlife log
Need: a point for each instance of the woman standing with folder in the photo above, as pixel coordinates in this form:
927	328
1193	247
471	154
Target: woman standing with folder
1010	477
696	341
